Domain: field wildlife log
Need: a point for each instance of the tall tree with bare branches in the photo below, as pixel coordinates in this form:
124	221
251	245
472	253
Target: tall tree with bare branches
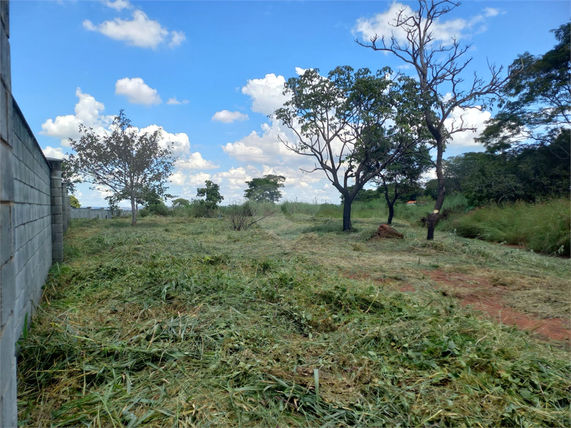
440	69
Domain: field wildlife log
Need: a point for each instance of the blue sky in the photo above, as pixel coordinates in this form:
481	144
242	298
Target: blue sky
209	73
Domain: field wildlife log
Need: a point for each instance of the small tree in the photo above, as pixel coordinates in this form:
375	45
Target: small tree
403	176
439	69
265	189
180	202
129	163
211	195
349	123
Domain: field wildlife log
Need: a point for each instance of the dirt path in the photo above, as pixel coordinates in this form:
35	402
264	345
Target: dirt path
483	296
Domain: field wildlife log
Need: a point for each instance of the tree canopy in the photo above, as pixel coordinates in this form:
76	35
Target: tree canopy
130	164
536	104
211	195
180	202
74	202
536	171
349	123
265	189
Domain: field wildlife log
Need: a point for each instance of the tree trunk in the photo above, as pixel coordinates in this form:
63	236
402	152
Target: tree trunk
391	213
133	212
390	204
433	218
347	201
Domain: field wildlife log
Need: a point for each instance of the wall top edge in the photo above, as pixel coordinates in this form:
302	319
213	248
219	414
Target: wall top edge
18	111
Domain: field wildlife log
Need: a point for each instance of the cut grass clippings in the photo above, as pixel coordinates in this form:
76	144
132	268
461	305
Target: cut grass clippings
184	322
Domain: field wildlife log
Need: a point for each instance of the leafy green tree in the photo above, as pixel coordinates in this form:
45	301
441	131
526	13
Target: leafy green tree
265	189
485	177
536	104
366	195
403	176
440	71
74	202
180	202
544	169
211	195
527	173
349	122
129	163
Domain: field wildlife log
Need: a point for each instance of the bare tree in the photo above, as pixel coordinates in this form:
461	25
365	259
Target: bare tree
440	69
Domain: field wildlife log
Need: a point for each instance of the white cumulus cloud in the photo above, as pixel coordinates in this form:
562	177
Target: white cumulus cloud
179	141
54	152
195	161
87	112
264	147
267	93
118	4
177	37
140	31
173	101
178	178
236	177
198	179
444	31
137	91
471	117
227	116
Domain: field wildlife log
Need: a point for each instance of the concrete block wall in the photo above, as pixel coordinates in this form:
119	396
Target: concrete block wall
32	219
8	408
31	200
101	213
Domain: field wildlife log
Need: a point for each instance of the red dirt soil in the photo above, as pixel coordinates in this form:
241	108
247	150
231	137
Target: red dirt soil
481	295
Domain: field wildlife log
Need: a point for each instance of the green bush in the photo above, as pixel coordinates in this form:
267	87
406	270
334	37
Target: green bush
543	227
196	209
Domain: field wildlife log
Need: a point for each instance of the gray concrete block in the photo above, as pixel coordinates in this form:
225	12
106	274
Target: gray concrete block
6	173
5	17
4	111
5	70
6	235
8	392
8	292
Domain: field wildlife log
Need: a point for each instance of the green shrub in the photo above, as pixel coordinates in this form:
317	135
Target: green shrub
543	227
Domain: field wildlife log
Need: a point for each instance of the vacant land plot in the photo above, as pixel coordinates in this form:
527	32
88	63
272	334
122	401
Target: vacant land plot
183	322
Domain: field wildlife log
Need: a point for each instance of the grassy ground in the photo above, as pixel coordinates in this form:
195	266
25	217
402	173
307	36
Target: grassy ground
184	322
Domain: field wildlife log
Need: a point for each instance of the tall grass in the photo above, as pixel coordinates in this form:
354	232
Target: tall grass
543	227
373	209
293	208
